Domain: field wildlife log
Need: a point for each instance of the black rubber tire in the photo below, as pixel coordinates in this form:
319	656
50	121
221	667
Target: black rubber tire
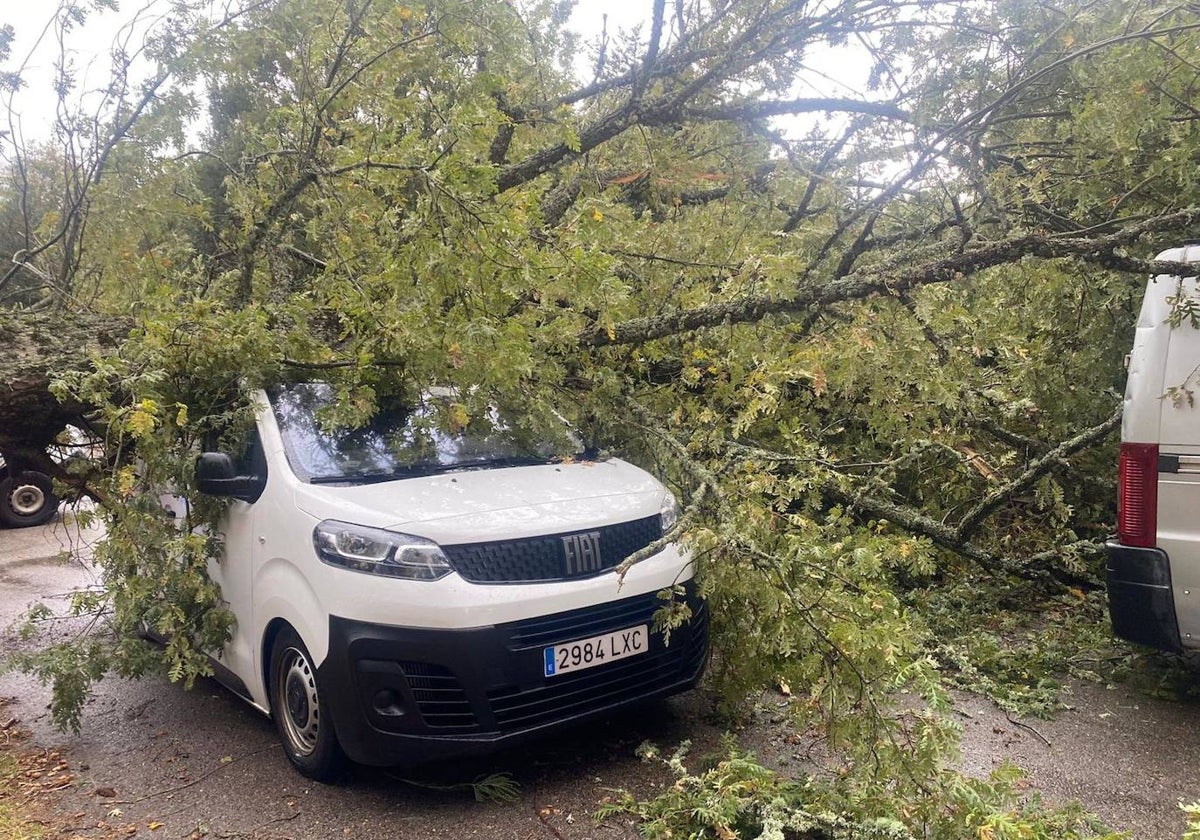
27	499
297	702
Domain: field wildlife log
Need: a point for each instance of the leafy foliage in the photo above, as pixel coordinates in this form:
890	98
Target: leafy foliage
738	797
876	355
1192	812
1017	650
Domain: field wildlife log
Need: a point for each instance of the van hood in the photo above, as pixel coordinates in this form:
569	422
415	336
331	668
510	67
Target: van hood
493	504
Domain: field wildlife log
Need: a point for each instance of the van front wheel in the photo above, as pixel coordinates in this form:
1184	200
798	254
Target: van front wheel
296	705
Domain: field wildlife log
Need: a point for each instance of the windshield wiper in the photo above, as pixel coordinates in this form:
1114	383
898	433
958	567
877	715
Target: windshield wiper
418	470
374	477
507	461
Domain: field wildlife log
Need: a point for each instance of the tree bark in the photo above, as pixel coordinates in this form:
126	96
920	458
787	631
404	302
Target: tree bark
34	349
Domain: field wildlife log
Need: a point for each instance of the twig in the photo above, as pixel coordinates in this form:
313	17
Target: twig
1035	470
1045	740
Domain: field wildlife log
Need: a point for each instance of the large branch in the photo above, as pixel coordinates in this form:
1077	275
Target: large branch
599	132
1102	250
943	535
687	78
667	111
1039	568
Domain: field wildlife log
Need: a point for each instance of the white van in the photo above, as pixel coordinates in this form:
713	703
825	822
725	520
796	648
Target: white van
404	594
1154	561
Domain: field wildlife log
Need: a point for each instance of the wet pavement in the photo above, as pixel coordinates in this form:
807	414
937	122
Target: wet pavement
159	761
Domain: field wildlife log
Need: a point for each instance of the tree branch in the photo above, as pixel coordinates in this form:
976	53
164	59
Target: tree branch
948	538
890	280
1037	468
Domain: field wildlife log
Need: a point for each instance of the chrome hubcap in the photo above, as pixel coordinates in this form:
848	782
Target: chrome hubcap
297	691
27	499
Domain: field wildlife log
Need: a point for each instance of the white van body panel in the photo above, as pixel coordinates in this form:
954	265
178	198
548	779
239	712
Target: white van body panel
234	572
284	592
451	602
1165	358
1179	537
1144	384
1179	435
492	504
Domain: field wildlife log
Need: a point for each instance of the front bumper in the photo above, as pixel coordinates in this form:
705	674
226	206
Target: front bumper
405	696
1140	601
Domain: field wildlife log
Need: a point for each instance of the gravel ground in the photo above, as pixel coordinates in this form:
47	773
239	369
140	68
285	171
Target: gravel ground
202	763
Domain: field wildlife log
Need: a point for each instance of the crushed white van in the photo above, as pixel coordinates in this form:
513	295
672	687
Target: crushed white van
1154	561
404	594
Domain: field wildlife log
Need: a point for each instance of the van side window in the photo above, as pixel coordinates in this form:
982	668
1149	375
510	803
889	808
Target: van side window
252	460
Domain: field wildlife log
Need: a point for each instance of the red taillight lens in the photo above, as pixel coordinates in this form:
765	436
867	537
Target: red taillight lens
1137	507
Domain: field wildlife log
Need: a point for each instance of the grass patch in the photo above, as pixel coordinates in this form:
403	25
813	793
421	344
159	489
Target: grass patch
17	824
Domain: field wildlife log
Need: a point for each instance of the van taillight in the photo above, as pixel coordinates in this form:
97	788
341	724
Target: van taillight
1137	504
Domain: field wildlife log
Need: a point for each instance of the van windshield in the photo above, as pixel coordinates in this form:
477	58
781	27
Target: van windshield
430	437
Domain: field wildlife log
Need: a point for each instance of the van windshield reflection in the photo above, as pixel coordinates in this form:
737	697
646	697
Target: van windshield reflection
401	442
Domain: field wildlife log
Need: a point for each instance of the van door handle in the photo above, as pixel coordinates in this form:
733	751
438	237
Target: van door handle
1179	463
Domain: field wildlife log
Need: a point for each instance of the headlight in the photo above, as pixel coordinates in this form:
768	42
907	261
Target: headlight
379	552
668	514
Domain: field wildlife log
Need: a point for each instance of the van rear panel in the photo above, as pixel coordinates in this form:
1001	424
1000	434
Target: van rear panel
1144	383
1153	584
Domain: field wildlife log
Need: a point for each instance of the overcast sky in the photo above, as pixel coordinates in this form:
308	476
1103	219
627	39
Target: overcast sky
90	46
35	46
35	49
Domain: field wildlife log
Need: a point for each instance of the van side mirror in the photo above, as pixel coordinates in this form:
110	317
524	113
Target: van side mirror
215	476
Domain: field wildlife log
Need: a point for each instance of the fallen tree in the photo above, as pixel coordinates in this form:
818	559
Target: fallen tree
868	354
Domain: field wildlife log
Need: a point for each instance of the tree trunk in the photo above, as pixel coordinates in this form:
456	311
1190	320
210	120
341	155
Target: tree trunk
34	348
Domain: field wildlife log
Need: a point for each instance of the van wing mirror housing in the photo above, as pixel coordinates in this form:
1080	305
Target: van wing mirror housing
215	476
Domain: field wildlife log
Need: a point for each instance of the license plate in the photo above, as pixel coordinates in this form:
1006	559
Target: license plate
588	653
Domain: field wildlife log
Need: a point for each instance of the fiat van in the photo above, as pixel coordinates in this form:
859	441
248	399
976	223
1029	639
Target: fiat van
404	593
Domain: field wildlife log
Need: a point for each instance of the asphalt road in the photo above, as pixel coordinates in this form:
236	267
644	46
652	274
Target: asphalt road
202	763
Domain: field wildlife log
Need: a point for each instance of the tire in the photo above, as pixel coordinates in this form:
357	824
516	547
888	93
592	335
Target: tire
27	499
297	706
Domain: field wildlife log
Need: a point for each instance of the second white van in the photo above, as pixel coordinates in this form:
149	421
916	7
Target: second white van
1154	561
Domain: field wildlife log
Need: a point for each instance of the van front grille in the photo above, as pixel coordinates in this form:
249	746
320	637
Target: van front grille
491	679
545	558
585	622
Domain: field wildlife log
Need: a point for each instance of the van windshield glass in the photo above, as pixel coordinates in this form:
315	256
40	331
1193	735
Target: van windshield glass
436	435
